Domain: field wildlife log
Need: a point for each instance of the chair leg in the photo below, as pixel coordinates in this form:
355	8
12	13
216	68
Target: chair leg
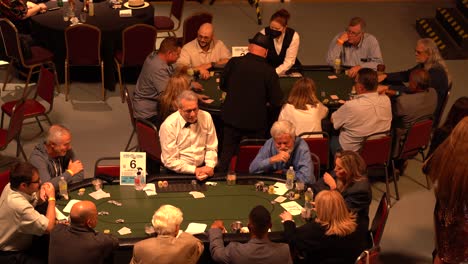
394	180
28	79
67	88
57	84
48	119
3	116
7	74
387	185
19	149
127	148
102	82
39	123
119	73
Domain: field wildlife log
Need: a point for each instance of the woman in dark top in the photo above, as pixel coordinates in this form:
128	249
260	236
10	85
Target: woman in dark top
284	42
333	237
457	112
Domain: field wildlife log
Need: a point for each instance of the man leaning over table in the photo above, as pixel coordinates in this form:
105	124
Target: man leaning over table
283	150
355	48
54	158
204	52
19	220
188	139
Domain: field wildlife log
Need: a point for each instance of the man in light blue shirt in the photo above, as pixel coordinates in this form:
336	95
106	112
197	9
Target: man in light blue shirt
355	48
283	150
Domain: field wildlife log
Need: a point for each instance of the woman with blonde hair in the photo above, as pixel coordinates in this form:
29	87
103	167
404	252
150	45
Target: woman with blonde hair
167	101
303	109
333	237
449	173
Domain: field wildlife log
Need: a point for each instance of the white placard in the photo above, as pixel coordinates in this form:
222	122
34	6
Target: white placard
239	51
131	163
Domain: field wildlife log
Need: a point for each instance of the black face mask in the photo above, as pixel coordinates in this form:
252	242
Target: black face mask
275	33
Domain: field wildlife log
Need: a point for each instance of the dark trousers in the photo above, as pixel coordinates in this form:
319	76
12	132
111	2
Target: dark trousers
231	138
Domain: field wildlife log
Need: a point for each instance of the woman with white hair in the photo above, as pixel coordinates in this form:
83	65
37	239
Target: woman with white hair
170	246
283	150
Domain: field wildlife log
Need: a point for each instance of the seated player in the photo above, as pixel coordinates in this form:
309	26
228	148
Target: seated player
19	13
204	52
368	113
259	249
332	237
283	150
55	158
85	244
172	245
19	220
355	48
188	139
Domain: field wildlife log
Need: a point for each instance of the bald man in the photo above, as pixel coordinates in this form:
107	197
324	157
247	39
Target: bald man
79	242
54	158
204	52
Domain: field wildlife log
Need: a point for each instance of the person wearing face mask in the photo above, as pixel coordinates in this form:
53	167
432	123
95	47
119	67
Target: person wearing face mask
283	150
55	158
284	43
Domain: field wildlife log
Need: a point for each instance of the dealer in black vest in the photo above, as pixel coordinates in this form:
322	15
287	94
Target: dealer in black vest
284	43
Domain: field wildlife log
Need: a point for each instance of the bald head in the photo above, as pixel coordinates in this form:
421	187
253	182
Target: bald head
84	213
205	35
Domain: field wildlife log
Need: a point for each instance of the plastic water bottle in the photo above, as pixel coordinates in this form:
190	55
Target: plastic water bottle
290	175
91	8
308	198
63	188
59	3
337	66
140	181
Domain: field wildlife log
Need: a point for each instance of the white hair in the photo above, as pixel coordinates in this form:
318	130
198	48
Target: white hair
283	127
186	95
166	220
56	132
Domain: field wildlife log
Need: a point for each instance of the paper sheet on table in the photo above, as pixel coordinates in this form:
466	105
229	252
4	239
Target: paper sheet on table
292	207
150	189
280	199
99	194
124	231
209	183
280	188
59	216
197	195
195	228
69	205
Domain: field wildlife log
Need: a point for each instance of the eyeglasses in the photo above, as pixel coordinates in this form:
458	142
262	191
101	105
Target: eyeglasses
189	111
203	37
352	33
37	181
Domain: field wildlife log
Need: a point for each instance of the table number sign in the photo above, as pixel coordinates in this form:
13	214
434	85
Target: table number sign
131	164
239	51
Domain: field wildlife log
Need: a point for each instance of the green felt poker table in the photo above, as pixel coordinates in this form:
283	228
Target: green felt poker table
323	76
225	202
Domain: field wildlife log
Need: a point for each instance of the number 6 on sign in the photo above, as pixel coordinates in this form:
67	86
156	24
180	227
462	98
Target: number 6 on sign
131	163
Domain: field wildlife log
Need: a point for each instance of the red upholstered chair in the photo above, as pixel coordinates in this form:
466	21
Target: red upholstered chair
376	151
380	220
148	139
369	256
39	56
192	24
165	24
33	107
320	146
129	99
248	150
107	166
83	53
4	179
14	129
138	41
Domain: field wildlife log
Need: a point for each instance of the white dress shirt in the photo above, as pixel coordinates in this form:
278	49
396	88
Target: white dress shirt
192	55
309	120
186	148
291	52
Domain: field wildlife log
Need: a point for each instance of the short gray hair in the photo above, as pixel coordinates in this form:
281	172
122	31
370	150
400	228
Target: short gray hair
56	132
283	127
186	95
166	219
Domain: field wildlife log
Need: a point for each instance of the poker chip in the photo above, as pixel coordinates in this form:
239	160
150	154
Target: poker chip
120	221
103	213
106	231
165	184
160	184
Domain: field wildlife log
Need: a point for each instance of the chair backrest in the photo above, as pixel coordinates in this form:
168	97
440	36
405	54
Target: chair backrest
16	121
192	24
148	138
176	8
45	86
417	138
380	219
137	42
108	166
369	256
376	148
83	45
319	146
11	40
4	179
248	150
316	163
129	99
438	115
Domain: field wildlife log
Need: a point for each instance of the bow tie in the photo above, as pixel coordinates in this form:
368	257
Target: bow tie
188	124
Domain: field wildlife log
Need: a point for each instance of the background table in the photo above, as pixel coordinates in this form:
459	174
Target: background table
48	29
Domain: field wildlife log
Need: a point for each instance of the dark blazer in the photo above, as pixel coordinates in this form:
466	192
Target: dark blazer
316	247
250	84
74	244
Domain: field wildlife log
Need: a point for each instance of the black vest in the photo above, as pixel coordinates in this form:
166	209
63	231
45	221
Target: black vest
275	59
